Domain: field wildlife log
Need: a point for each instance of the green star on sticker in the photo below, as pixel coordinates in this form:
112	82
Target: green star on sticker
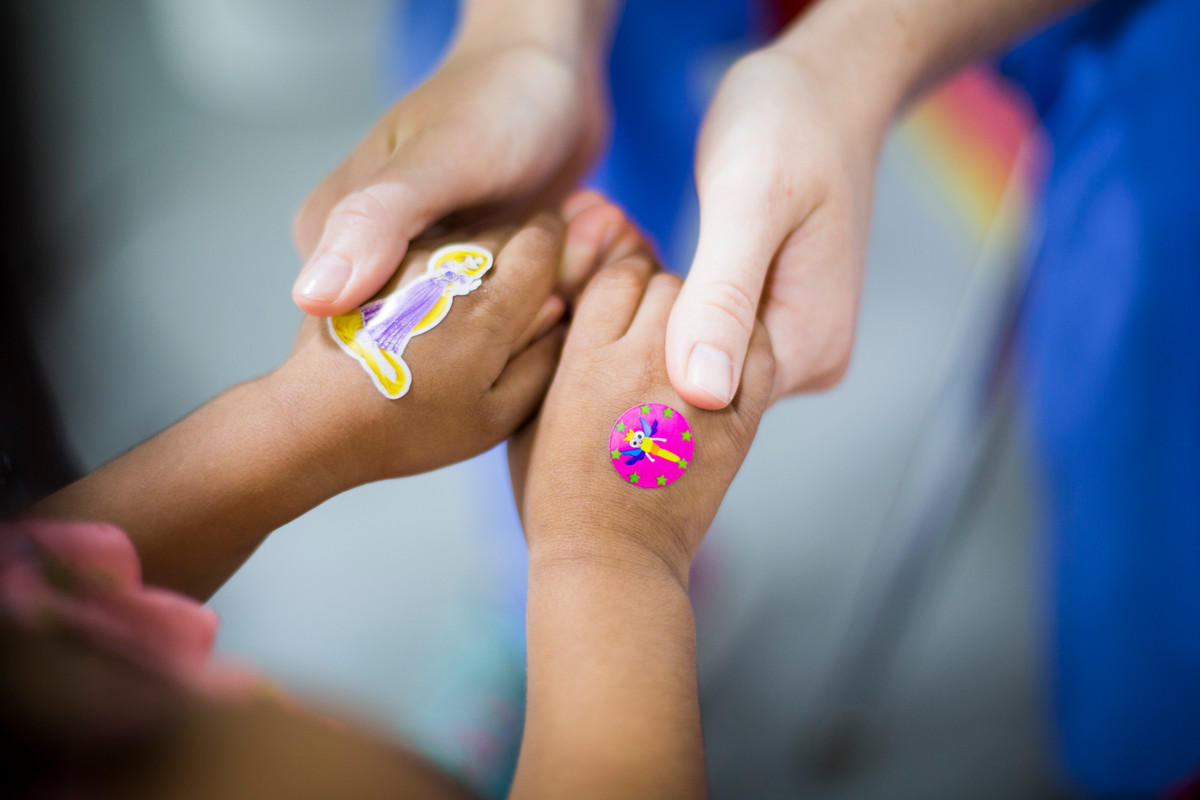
620	427
668	412
687	436
662	480
683	465
616	453
633	477
646	409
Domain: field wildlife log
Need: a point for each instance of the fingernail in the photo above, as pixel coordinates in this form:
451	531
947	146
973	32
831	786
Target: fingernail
710	370
324	279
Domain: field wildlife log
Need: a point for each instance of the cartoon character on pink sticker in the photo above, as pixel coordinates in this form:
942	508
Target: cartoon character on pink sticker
651	445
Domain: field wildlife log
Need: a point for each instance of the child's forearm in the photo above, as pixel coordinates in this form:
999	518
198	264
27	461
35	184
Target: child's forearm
198	498
612	705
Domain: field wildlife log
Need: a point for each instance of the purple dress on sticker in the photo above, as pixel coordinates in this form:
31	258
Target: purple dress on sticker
651	445
377	333
391	327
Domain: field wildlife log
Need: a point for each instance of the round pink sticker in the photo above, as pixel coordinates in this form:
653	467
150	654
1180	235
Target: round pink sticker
651	445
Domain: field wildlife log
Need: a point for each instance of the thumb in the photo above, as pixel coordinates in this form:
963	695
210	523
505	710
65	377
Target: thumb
367	232
710	326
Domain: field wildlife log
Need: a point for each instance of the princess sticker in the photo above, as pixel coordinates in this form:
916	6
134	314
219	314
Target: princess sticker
651	445
376	334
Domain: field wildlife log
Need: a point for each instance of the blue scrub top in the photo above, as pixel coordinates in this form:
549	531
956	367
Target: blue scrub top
1111	367
667	58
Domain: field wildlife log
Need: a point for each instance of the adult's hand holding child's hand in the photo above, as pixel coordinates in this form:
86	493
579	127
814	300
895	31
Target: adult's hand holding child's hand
509	122
785	171
572	503
476	376
480	373
611	638
199	497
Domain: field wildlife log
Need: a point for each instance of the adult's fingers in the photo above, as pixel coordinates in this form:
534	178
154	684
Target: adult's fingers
712	321
367	232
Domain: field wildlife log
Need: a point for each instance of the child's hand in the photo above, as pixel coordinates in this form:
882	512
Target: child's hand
480	373
199	497
572	502
476	376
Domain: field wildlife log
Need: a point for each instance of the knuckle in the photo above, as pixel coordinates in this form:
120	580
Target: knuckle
625	276
493	315
826	377
830	365
740	429
537	241
728	300
360	212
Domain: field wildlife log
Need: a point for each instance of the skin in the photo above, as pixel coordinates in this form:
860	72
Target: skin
198	498
785	170
612	706
526	122
611	633
87	722
785	164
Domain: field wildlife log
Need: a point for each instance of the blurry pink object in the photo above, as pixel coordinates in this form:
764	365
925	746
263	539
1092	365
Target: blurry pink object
86	577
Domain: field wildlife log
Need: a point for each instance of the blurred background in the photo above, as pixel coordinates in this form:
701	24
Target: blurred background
171	141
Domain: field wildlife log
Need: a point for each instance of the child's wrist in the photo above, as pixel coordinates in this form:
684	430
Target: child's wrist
597	551
317	442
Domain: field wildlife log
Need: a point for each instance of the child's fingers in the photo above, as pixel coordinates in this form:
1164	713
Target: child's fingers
549	315
758	376
610	300
598	234
519	282
650	322
580	201
517	393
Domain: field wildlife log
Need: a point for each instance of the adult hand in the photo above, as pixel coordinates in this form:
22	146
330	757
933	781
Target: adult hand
785	170
510	127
